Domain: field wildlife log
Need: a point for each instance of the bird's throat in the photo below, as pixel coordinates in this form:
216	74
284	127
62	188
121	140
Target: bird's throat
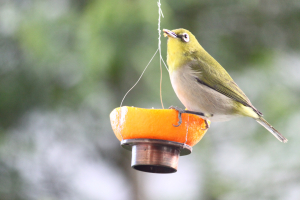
176	60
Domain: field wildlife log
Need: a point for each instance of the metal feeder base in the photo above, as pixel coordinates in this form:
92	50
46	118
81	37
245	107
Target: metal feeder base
155	156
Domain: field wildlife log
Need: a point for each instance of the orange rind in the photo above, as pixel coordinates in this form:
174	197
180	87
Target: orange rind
141	123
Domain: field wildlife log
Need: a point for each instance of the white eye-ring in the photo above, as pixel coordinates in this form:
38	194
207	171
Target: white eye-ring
185	37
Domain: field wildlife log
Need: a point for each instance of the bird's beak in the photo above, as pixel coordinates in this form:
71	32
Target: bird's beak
169	33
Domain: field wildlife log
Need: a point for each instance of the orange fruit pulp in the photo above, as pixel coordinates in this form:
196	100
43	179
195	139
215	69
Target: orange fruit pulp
137	123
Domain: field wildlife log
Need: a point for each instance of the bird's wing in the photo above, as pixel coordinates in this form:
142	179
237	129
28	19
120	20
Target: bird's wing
211	77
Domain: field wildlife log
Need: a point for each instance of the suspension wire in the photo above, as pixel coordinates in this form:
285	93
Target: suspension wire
139	78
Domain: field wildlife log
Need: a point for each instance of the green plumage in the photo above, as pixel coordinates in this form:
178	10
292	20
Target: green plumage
216	77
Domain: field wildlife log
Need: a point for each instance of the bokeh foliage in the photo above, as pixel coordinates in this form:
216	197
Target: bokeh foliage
65	65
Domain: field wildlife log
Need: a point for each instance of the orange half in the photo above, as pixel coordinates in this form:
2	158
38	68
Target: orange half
137	123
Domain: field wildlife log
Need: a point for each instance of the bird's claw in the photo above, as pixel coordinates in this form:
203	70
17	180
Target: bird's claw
206	125
180	111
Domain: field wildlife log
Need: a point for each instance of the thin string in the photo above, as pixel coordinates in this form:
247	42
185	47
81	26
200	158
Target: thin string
119	126
139	78
165	64
160	14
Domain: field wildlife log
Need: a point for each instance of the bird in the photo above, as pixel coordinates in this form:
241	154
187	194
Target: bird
203	86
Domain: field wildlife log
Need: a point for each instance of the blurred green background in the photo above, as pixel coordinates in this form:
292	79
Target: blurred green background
65	65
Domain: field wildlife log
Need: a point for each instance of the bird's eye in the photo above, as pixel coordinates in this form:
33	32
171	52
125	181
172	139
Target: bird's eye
185	37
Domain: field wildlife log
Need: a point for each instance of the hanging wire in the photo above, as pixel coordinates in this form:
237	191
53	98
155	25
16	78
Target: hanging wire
160	14
139	78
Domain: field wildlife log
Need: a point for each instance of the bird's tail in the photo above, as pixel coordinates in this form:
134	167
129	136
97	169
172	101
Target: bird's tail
270	128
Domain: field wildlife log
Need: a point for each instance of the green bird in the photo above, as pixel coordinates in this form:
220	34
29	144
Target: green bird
203	86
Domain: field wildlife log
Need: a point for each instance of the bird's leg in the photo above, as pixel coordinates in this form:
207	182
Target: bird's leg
180	111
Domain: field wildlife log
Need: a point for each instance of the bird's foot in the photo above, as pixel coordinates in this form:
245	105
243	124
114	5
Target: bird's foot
180	111
206	125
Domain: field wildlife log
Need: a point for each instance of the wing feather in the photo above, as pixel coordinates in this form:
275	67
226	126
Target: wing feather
211	77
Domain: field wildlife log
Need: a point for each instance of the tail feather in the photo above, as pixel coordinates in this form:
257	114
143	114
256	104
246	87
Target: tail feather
272	130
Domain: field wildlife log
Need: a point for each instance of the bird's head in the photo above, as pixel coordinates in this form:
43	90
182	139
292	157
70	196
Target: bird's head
183	47
181	40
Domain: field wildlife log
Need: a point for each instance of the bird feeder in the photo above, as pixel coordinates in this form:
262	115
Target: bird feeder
152	137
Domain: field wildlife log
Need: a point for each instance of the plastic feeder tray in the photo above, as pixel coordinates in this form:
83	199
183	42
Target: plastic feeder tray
155	143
